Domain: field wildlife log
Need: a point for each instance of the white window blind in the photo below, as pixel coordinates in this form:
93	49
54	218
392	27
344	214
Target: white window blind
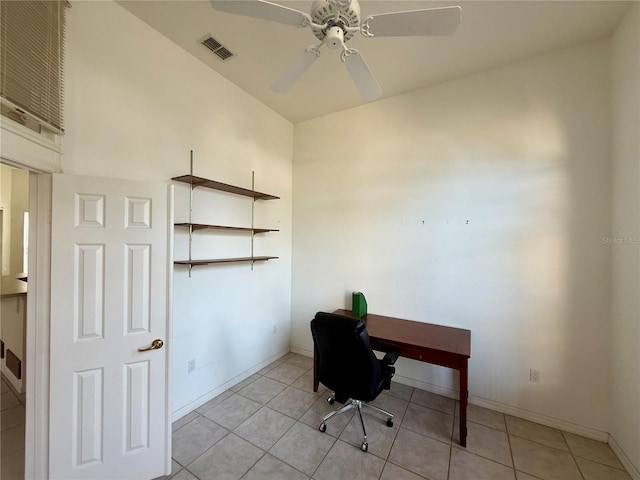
31	58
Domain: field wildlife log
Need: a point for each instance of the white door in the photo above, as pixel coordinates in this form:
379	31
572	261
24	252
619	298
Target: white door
111	264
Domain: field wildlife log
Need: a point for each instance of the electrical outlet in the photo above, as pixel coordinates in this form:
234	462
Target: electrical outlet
191	365
534	375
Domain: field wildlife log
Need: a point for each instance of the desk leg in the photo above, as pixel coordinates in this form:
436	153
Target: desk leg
464	393
316	382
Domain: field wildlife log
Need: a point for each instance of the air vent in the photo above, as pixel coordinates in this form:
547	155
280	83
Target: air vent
217	48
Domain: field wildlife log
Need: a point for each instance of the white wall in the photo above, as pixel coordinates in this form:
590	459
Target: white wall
478	203
625	229
5	205
19	205
135	105
14	201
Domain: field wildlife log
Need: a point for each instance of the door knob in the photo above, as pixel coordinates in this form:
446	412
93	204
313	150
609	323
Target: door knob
155	345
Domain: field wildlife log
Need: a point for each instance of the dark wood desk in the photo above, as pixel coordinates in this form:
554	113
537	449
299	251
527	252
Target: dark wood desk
446	346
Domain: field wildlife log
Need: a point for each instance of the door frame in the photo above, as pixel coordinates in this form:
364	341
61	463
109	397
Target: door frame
36	445
40	156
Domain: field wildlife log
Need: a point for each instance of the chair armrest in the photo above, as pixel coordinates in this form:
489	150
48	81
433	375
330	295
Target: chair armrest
390	358
388	369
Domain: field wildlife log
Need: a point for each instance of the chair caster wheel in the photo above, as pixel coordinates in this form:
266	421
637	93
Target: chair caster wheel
323	427
331	400
365	447
389	422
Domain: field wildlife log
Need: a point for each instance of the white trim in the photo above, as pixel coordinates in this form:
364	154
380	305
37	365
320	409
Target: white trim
429	387
181	412
37	337
169	332
302	351
542	419
632	470
24	148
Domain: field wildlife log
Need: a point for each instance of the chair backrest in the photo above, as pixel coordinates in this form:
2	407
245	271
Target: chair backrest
346	362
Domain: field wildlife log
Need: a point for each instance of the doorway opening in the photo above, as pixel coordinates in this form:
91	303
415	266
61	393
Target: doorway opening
14	241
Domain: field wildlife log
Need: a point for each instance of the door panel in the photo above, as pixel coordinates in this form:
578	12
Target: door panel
111	272
137	288
89	292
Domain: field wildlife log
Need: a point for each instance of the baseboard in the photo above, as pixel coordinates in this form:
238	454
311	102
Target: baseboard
429	387
553	422
632	470
21	396
302	351
17	385
509	410
181	412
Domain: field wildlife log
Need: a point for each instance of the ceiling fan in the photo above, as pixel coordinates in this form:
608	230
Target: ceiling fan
334	22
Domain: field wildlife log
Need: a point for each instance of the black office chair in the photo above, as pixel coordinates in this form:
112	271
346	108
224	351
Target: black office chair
347	365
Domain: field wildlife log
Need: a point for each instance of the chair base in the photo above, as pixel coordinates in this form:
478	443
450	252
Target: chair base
357	404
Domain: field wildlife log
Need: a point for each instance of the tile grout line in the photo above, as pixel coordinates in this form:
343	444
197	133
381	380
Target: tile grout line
513	461
575	462
453	429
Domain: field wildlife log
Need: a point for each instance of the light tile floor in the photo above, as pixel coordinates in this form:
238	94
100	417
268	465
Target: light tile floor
12	434
266	428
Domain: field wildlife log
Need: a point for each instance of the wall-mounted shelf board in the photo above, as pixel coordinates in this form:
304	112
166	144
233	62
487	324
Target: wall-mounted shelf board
205	182
203	226
194	263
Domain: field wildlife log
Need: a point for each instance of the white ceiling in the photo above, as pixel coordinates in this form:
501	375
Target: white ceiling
491	34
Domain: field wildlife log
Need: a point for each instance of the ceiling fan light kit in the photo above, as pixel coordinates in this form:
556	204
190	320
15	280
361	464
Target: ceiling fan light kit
335	22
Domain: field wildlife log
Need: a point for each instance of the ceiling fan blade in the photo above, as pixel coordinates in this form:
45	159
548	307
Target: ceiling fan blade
292	74
262	10
361	76
432	21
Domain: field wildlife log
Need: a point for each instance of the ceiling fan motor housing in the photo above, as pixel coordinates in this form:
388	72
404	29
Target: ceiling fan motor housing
334	37
335	14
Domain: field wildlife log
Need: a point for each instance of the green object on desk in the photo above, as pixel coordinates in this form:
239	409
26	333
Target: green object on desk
358	305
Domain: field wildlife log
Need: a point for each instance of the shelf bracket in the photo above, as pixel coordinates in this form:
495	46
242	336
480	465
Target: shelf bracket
253	208
190	210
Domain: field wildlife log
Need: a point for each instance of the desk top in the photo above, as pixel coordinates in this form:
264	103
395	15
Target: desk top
417	334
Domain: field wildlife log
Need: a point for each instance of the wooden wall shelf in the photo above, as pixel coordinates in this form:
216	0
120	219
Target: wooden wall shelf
195	182
203	226
205	182
194	263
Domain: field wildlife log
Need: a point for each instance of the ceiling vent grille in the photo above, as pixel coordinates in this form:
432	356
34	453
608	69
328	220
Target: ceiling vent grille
216	47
